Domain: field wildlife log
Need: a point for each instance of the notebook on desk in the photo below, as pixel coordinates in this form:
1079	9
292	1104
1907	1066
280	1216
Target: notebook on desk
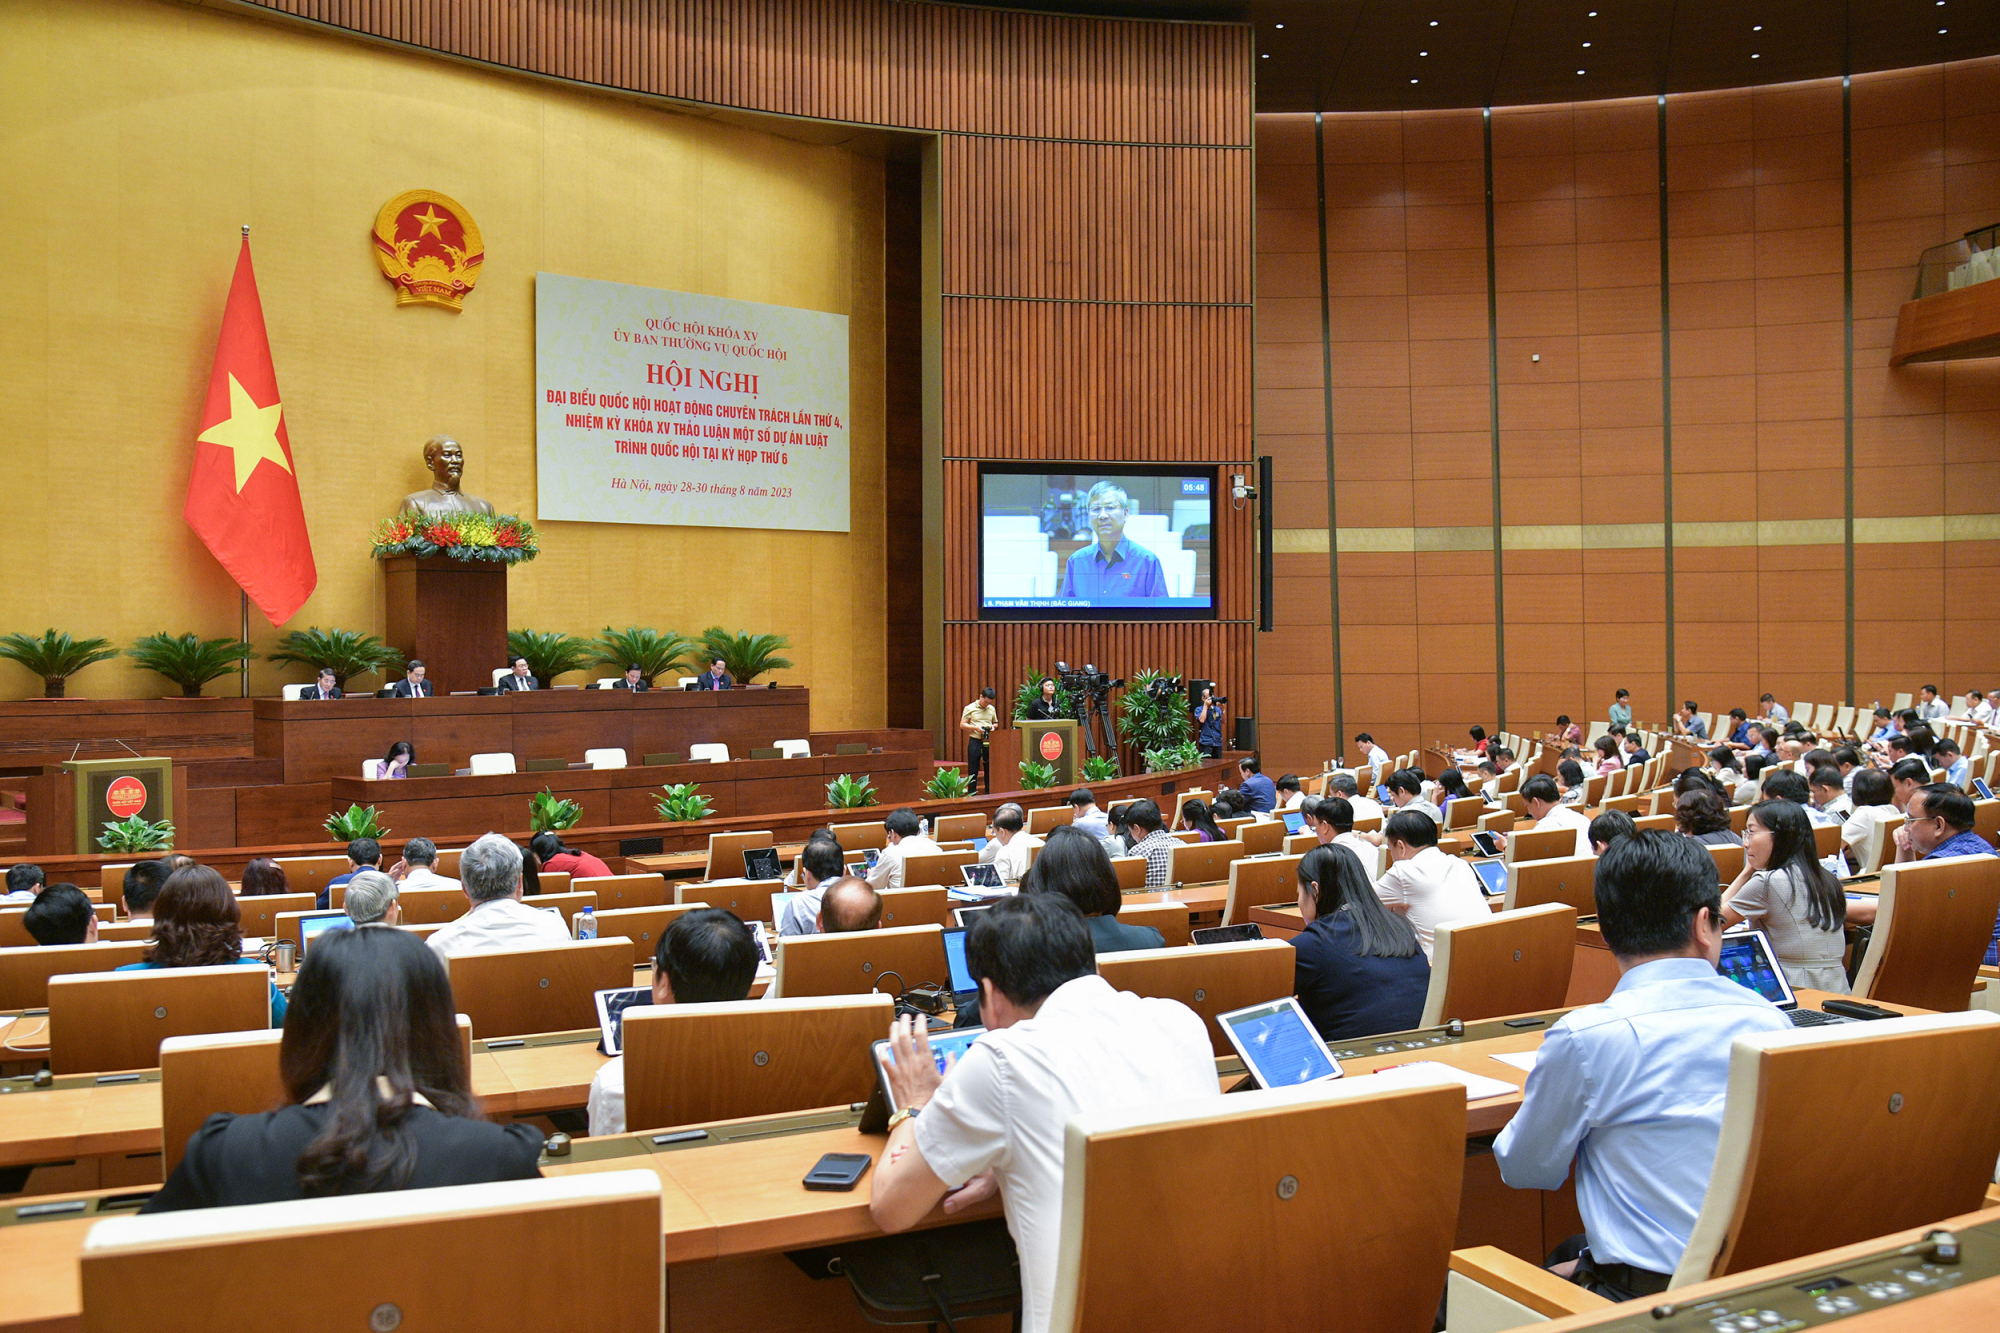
1748	961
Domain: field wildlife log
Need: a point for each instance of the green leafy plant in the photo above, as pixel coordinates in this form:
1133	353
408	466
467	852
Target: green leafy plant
550	653
745	656
1169	758
549	813
358	821
1100	768
55	657
950	784
683	803
1031	690
1036	775
189	660
654	653
850	793
343	651
136	835
1151	719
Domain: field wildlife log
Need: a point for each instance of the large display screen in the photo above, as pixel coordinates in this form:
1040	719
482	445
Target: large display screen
1110	543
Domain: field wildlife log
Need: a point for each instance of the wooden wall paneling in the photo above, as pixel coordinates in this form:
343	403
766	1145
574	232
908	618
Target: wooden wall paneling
903	445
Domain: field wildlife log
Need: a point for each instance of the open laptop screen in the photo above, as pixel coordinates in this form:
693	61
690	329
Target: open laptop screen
315	924
1747	960
1278	1044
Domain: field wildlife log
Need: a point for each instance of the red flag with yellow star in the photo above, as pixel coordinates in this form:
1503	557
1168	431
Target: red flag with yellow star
243	496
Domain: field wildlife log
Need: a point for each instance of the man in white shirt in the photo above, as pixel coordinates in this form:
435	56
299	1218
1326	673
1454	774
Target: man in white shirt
1829	795
1365	805
1291	796
1377	757
1008	847
820	863
1929	707
490	870
1545	807
24	881
1060	1043
705	957
1978	710
1432	889
1332	821
1406	788
418	868
906	839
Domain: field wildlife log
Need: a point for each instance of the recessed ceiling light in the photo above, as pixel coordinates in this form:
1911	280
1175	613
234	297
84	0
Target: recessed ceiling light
1755	56
1586	43
1593	13
1434	23
1281	25
1756	27
1267	55
1423	53
1412	80
1579	71
1943	31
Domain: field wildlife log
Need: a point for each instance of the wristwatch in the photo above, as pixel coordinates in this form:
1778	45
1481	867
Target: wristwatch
907	1113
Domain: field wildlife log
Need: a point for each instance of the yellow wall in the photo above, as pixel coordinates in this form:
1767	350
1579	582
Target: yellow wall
136	136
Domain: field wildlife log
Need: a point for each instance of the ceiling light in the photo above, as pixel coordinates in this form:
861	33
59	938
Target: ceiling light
1593	13
1267	55
1412	80
1423	53
1579	71
1943	31
1755	56
1281	25
1586	43
1756	27
1434	23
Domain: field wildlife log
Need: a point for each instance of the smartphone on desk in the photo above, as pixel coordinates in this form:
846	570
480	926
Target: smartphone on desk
838	1171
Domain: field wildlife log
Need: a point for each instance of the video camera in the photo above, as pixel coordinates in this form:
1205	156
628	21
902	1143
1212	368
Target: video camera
1089	680
1195	687
1162	688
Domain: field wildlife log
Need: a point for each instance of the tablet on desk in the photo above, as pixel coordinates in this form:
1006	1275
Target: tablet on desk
1227	934
964	989
611	1007
1294	821
762	938
761	863
1486	844
945	1048
1279	1047
779	902
1985	792
982	876
871	856
1492	877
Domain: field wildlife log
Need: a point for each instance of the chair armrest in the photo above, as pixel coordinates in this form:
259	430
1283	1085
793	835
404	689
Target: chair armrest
1525	1283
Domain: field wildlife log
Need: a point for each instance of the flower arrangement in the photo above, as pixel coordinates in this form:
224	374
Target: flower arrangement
498	537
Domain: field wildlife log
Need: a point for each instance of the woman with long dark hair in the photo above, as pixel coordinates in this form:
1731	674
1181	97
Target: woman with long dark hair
1785	892
1358	967
376	1090
396	763
1451	786
262	876
1195	815
196	923
556	857
1076	865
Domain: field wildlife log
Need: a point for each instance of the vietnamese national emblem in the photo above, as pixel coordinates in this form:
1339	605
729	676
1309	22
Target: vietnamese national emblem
429	248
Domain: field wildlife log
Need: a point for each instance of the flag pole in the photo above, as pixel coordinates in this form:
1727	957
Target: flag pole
242	597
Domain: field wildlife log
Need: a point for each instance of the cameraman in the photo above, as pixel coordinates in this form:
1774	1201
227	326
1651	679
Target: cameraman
977	722
1208	723
1044	708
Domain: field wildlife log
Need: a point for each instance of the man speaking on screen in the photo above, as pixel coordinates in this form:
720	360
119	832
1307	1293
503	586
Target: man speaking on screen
1112	567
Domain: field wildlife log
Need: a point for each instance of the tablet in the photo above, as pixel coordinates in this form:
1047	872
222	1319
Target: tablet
779	902
312	925
1985	792
858	869
962	984
763	939
981	876
1294	821
761	863
952	1044
1492	877
611	1007
871	856
1227	934
1486	844
979	844
962	916
1279	1047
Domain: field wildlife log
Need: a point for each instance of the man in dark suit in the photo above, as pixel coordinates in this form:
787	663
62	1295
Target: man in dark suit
412	685
325	689
518	678
715	678
635	680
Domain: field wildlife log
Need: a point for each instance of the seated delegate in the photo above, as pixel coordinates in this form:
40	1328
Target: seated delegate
1075	865
61	914
490	870
377	1095
196	923
1784	891
1358	968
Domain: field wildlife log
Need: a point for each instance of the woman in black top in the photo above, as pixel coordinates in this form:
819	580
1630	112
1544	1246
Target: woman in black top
1359	969
377	1092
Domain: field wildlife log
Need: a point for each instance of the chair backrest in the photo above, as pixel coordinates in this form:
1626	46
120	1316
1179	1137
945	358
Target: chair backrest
1511	963
750	899
1273	879
511	992
103	1021
25	972
1265	1220
643	926
571	906
1568	879
795	749
1665	823
1497	821
1826	839
309	874
725	851
922	905
609	758
491	764
427	907
1822	718
713	752
1933	923
1541	844
1262	838
1881	844
1464	812
1902	701
260	914
1210	981
424	1268
937	868
860	837
617	891
1728	860
1298	844
14	925
1986	820
553	882
1044	818
1843	718
957	828
447	862
1180	803
853	964
1203	862
1170	919
1131	871
686	1064
1920	1092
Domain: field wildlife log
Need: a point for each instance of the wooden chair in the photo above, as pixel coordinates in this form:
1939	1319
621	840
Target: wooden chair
260	914
687	1064
1263	1219
552	882
853	964
1131	872
1267	838
1231	828
1497	821
619	891
1826	840
1170	919
1881	848
1464	812
1511	963
447	862
1728	860
958	828
920	906
1568	879
1203	862
643	926
1986	821
111	881
750	899
1044	818
309	874
1667	824
512	992
1919	1092
110	932
725	851
860	837
1540	844
1180	802
1272	879
432	907
940	868
1210	981
106	1021
1933	923
427	1261
1298	844
14	926
25	972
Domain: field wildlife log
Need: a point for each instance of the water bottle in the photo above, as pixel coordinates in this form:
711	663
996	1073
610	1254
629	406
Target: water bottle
586	924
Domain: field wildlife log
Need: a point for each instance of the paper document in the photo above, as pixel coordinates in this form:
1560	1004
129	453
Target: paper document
1477	1086
1521	1060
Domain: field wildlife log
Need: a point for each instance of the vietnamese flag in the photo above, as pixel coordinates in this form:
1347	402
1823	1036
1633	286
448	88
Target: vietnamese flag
243	495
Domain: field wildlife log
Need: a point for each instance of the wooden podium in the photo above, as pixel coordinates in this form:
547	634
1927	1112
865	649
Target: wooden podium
1051	742
451	615
69	803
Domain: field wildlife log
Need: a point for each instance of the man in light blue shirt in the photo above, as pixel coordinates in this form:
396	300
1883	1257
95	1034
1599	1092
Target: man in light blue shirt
1947	756
1112	566
1633	1089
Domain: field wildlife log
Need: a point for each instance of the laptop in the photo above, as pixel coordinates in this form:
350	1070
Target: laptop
964	990
1280	1048
962	916
761	863
1492	877
611	1007
946	1046
982	876
312	925
1748	961
1295	822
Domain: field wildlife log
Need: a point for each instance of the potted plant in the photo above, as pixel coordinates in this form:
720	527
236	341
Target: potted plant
1100	768
654	653
548	813
135	834
341	651
744	656
549	652
683	803
1151	716
359	821
191	661
55	657
948	784
850	793
1035	775
1172	758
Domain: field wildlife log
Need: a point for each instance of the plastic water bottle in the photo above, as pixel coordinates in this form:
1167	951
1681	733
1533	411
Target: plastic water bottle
586	924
